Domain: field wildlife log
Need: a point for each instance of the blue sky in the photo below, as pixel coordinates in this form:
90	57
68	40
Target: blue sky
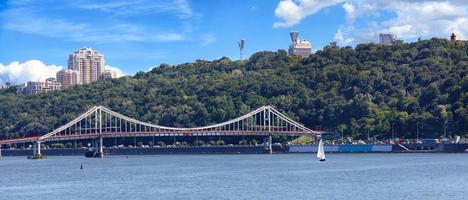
136	35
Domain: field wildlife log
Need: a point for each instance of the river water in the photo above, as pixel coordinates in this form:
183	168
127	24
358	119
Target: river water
283	176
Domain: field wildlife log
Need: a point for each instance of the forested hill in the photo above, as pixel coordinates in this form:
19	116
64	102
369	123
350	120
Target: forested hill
367	88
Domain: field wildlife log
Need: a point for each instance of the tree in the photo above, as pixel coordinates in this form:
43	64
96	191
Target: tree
243	142
33	129
253	142
199	143
57	146
354	90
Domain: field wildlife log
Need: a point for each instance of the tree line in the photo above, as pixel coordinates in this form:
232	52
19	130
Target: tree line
371	90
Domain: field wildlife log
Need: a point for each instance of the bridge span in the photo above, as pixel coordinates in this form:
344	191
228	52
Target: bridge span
100	122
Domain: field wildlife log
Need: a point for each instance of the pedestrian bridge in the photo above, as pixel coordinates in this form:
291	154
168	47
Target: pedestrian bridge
100	122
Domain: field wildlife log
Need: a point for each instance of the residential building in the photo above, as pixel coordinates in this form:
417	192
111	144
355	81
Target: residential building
108	74
35	87
89	64
68	77
386	38
299	47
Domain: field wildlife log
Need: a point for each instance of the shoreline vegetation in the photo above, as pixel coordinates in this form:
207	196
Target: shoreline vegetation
37	156
406	90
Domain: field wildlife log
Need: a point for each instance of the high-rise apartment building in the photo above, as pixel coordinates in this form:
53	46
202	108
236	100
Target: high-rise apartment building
299	47
68	77
89	64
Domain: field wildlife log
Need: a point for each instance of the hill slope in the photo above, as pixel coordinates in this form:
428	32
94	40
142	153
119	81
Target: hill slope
360	90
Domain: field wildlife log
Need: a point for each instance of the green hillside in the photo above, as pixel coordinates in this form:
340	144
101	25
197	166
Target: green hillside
353	90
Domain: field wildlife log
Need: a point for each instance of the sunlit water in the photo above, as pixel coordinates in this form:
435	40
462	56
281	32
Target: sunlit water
285	176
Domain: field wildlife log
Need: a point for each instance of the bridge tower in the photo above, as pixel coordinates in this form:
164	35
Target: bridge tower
100	148
267	117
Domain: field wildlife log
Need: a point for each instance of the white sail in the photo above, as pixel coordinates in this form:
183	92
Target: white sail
320	151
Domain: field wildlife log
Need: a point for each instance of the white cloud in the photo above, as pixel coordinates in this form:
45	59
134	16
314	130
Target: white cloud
33	18
169	37
181	8
427	19
117	71
35	70
350	12
207	39
408	19
82	32
341	39
32	70
292	12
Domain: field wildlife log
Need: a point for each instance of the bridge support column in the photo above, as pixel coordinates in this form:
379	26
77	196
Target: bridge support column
38	148
101	149
270	146
0	152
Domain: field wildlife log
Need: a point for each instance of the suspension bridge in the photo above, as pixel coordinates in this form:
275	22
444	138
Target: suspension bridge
100	122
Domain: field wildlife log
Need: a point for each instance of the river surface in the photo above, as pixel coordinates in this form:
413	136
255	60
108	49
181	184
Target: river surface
283	176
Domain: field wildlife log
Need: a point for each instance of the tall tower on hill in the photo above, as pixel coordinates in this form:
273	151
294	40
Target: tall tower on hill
299	47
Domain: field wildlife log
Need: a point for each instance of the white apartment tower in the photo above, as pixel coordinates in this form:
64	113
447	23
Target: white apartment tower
89	64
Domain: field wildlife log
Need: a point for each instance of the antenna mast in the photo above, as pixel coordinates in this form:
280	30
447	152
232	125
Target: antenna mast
241	44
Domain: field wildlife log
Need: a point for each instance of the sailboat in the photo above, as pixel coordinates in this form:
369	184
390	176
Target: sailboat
320	151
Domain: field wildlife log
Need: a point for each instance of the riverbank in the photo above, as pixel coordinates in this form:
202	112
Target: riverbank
399	148
143	151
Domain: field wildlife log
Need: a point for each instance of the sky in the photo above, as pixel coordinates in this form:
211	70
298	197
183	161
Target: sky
36	36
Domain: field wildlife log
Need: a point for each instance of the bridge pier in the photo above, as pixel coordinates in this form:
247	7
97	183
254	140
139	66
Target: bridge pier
270	146
98	148
37	148
101	149
1	152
